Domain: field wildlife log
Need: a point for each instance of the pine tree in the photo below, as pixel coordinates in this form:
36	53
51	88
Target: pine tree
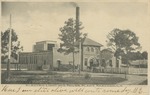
70	37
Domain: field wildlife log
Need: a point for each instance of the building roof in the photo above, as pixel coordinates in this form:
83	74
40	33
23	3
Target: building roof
90	42
46	41
35	52
107	50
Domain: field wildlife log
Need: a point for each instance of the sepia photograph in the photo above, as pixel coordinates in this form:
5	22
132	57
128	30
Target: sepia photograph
74	43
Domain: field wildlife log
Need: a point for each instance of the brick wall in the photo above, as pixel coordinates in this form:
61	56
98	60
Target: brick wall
65	59
33	60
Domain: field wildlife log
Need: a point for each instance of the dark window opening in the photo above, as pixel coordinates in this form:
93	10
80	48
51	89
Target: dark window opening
44	62
117	65
88	49
92	49
85	62
30	60
103	63
91	63
58	62
110	63
97	62
50	46
97	50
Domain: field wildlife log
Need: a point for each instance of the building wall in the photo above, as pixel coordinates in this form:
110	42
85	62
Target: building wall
50	42
39	47
109	56
43	54
65	59
43	45
34	60
90	52
49	59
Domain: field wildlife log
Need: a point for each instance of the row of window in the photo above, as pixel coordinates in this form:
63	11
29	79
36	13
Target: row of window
92	49
32	59
91	61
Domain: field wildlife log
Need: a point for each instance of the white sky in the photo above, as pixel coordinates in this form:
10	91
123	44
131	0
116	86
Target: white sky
41	21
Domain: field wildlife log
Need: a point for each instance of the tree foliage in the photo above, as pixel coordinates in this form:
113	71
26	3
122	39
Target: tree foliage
135	56
15	44
122	42
145	55
70	37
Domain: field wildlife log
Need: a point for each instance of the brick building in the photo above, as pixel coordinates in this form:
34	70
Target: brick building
46	57
107	57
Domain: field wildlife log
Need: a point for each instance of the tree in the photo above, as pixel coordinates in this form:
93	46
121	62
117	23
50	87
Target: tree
135	56
145	55
15	44
70	36
122	42
132	56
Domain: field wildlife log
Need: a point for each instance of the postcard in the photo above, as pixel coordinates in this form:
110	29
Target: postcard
73	47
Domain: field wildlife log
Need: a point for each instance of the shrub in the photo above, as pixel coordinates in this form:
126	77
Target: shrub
87	76
3	77
51	72
65	67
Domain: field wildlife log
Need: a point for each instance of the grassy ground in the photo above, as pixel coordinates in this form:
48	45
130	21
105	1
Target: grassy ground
43	77
144	82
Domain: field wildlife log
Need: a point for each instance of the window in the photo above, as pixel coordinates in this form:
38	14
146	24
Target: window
33	59
92	49
58	62
97	50
22	59
30	60
50	46
117	65
103	63
110	63
44	62
97	62
88	49
36	59
85	61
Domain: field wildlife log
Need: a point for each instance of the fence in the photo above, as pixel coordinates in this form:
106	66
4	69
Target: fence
14	66
122	70
138	70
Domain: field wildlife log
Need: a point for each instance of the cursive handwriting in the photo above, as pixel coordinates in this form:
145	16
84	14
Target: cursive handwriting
60	89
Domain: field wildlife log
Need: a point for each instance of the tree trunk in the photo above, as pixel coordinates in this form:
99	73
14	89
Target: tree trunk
73	61
73	53
8	69
116	62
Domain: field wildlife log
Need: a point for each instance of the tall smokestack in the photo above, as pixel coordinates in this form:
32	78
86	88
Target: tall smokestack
77	20
80	45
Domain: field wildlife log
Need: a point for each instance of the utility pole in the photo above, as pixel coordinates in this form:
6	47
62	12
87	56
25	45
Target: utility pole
79	55
9	50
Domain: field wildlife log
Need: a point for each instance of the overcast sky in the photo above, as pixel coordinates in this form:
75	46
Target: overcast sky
41	21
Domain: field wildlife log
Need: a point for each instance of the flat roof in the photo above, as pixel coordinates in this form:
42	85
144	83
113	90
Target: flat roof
46	41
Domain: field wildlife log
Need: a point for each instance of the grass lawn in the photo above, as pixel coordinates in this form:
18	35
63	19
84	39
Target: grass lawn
144	82
92	80
22	77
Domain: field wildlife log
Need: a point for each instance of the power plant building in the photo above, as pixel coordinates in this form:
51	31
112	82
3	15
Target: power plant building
45	56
